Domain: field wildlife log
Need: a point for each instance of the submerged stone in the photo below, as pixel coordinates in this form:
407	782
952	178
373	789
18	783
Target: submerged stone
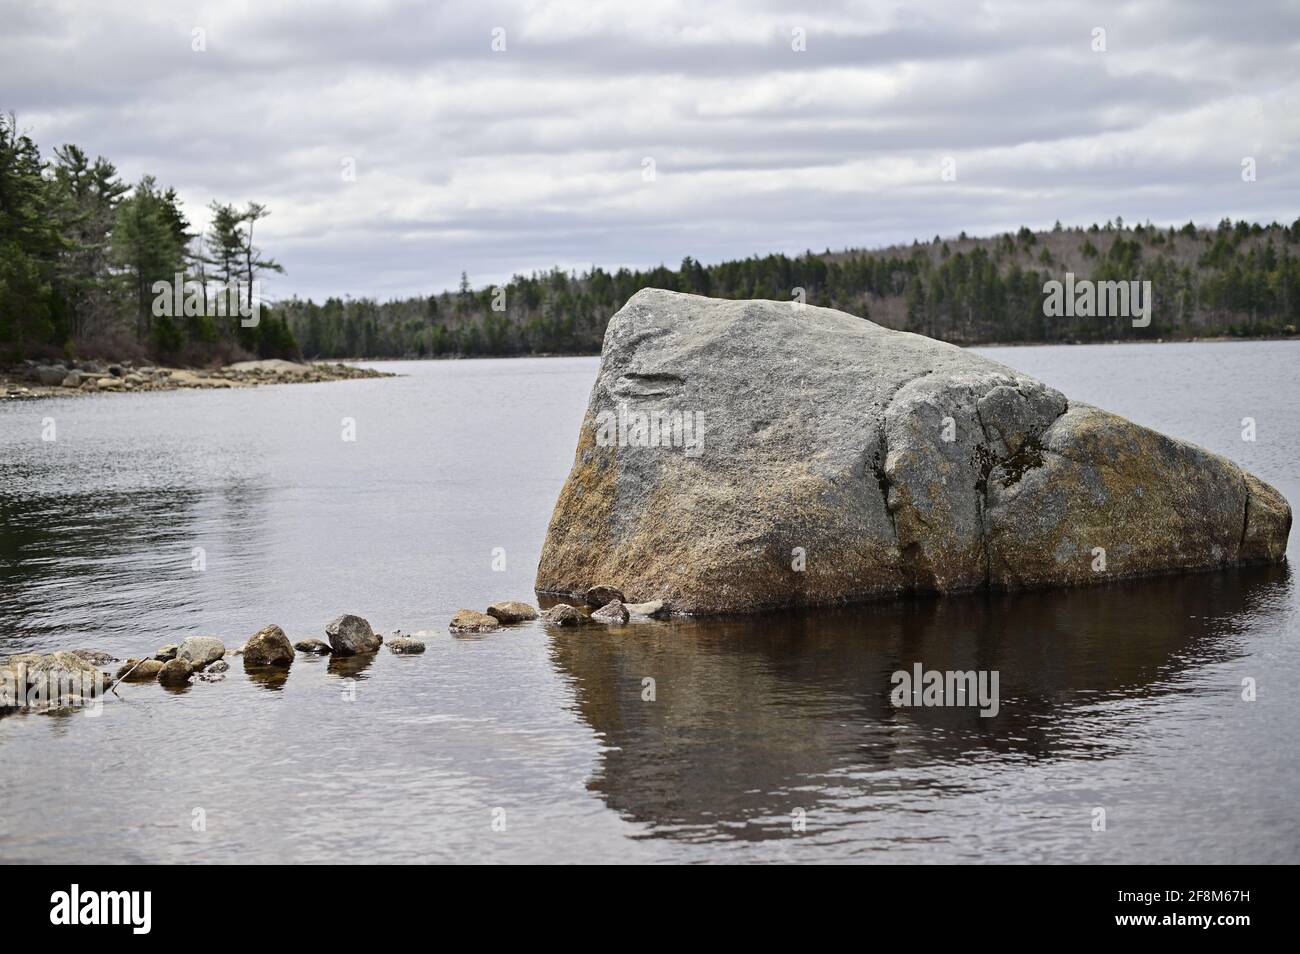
405	646
654	609
512	611
472	621
611	612
562	614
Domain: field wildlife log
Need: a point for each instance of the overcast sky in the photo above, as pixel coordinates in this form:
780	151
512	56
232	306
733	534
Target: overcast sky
497	162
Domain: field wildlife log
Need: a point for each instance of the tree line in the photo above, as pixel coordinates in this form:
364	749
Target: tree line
1233	280
81	253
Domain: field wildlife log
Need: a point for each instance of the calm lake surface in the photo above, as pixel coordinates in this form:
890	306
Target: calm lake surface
1125	697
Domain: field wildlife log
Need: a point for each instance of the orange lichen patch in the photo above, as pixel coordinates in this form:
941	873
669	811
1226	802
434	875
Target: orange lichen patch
1266	525
1151	503
701	540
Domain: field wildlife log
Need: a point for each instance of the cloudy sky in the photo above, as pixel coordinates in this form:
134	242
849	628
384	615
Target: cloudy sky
535	155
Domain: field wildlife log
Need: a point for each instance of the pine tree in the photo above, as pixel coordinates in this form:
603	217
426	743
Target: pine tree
30	244
149	243
253	261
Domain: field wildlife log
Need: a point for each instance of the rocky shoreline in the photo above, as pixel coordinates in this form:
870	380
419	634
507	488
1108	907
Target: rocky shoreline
32	379
76	678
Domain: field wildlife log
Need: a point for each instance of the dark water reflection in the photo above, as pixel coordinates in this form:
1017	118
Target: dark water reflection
761	711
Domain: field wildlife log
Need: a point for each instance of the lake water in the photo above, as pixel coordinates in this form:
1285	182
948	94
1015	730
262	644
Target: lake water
1126	698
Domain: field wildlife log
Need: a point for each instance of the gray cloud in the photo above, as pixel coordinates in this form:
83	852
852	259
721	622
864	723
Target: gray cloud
497	162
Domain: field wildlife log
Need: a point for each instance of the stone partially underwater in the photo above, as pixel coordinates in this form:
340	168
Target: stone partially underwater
747	455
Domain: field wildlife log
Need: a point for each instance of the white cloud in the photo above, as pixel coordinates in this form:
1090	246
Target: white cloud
503	162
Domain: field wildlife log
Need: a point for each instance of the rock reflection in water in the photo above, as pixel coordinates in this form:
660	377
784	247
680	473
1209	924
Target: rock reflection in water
351	667
755	717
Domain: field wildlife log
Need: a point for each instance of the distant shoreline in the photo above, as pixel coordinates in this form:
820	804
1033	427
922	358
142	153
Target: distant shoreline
42	381
1222	339
981	344
13	386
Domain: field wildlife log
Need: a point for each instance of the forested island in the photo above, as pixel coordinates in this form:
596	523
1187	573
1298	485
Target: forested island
80	252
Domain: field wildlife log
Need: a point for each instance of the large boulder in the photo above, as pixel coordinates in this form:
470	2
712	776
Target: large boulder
352	636
748	455
268	647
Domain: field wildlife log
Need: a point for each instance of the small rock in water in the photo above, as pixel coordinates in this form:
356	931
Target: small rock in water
219	666
512	611
174	672
562	614
611	612
656	609
405	645
167	652
146	670
200	651
351	635
268	647
599	596
96	657
471	621
317	647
